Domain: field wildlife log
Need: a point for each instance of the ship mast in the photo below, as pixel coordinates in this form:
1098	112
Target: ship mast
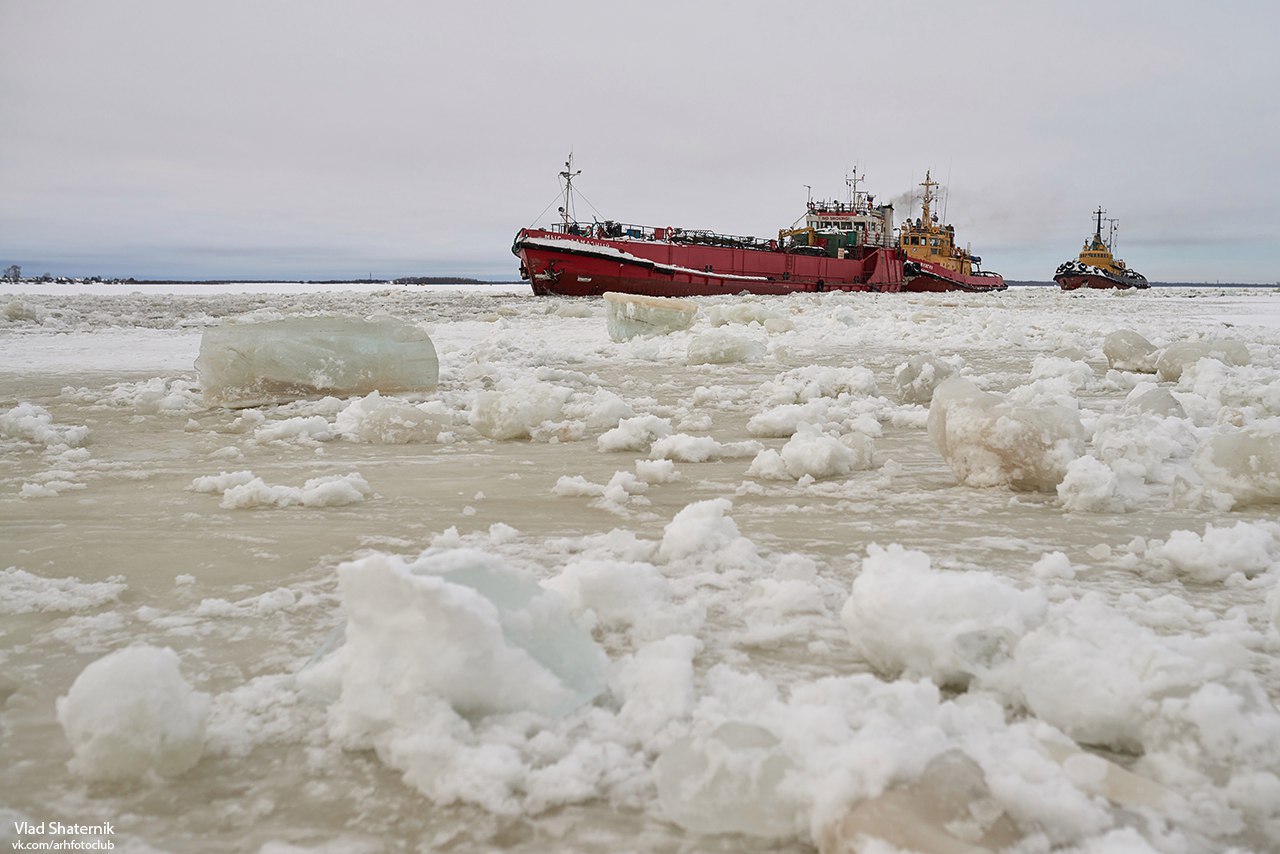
567	176
928	196
851	181
1097	233
1112	225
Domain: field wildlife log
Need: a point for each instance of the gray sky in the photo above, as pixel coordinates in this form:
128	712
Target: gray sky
315	139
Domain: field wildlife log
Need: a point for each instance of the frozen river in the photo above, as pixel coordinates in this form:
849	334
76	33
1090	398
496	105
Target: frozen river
1132	611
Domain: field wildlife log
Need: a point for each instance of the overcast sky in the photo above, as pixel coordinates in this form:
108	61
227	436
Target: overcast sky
309	139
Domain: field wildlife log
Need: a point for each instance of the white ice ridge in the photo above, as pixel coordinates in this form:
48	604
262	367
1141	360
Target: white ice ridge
34	424
630	315
26	593
243	490
250	364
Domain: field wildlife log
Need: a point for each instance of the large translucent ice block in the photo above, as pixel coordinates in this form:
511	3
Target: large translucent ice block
631	315
251	364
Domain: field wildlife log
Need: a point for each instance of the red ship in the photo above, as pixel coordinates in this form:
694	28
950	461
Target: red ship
836	246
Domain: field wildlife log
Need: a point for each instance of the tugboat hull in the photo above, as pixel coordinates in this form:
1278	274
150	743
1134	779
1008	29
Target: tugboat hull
927	277
578	265
1099	281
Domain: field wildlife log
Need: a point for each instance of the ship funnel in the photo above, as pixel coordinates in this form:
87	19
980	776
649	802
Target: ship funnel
886	214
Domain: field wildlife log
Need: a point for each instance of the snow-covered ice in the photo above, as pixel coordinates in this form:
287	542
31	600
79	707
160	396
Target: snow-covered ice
813	569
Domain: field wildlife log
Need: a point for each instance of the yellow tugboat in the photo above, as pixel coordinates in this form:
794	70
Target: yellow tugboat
1097	267
933	261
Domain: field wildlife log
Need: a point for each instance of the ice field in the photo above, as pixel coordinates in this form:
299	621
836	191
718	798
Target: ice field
838	572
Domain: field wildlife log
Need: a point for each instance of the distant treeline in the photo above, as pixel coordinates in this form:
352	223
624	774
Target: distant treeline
438	280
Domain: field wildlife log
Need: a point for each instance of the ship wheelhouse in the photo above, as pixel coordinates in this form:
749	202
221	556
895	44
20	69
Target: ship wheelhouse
1099	252
841	229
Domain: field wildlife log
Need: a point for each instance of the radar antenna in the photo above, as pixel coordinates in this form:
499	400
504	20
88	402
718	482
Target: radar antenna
928	185
1113	226
851	181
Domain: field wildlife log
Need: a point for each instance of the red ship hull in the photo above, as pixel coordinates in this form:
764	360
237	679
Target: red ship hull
928	277
577	265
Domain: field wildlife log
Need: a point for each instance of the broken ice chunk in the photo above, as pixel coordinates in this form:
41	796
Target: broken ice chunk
1155	401
989	441
1092	486
1099	776
388	421
718	347
726	782
1126	350
953	627
634	434
747	313
516	408
461	626
949	810
1178	357
916	378
630	315
812	453
131	715
1244	464
251	364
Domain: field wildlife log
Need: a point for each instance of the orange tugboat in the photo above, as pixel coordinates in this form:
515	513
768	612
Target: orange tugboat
933	261
1096	267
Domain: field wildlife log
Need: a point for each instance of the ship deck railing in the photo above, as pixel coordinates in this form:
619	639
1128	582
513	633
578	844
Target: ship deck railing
609	230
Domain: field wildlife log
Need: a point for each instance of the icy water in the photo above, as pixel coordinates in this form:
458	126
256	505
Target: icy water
106	436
